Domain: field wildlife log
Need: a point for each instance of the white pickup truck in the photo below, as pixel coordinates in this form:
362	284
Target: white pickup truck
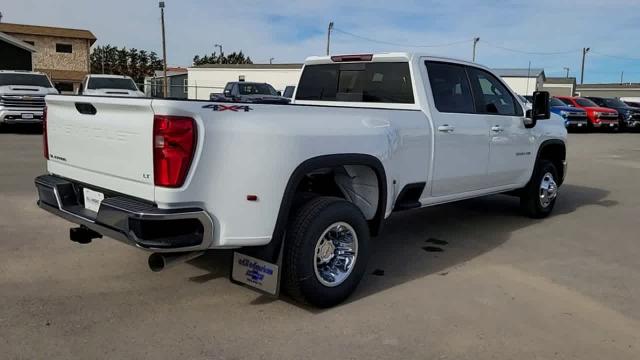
109	85
298	189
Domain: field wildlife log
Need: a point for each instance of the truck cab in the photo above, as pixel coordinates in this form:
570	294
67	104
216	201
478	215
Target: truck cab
22	96
109	85
250	92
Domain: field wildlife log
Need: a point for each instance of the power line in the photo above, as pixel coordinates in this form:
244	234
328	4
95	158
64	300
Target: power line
531	52
615	56
400	44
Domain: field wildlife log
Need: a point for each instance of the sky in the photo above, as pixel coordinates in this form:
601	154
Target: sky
548	33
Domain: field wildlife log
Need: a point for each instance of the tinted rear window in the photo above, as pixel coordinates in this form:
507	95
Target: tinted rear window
111	83
255	89
586	102
357	82
24	79
555	102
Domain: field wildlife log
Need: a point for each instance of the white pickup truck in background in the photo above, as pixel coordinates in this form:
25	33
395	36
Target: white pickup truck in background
298	189
22	96
109	85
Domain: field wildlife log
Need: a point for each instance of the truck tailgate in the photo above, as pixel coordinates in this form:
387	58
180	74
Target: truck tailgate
105	142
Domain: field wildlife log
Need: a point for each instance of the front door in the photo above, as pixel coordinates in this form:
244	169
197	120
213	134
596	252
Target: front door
511	151
461	153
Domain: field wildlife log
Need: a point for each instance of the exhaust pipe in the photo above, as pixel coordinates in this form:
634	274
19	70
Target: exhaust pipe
161	261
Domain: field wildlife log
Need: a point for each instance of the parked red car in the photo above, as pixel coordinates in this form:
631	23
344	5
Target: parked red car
599	117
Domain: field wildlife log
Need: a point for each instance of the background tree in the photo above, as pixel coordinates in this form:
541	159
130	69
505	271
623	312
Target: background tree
136	63
214	58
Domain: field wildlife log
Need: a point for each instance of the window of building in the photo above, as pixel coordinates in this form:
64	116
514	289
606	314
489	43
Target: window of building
64	87
64	48
450	86
186	86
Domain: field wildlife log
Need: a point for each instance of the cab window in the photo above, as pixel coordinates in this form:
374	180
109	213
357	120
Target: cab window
491	96
450	87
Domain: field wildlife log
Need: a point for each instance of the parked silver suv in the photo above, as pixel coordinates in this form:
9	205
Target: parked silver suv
22	96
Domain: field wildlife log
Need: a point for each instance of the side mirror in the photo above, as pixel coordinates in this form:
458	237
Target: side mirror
539	109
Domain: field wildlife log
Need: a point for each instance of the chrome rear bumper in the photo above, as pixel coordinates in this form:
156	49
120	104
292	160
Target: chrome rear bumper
126	219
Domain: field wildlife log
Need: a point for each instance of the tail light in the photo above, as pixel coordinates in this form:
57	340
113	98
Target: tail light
174	144
45	141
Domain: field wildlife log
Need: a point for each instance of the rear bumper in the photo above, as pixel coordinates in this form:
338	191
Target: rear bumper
137	223
15	115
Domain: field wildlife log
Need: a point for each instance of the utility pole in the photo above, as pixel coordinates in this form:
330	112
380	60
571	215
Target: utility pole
219	56
0	16
584	55
271	60
165	87
329	36
475	42
567	70
621	78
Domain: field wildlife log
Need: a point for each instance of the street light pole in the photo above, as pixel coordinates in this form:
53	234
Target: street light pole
475	42
164	52
271	60
567	70
584	55
329	36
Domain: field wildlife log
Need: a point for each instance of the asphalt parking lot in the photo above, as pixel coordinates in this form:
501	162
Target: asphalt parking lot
470	280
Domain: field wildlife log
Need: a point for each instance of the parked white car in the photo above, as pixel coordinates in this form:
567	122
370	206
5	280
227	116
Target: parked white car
22	96
109	85
298	189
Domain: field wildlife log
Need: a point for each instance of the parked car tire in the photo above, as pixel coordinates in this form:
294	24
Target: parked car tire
539	197
326	251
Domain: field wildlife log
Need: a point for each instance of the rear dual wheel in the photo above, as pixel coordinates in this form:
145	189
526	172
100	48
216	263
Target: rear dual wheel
326	251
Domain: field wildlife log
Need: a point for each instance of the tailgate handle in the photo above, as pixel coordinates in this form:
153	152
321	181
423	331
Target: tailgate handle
86	108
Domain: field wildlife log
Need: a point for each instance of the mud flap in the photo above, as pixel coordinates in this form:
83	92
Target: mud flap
255	272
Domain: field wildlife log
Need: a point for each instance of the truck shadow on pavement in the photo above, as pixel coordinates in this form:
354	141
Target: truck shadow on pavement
431	241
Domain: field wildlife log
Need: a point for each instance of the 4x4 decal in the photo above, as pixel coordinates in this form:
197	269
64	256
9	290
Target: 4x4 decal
234	108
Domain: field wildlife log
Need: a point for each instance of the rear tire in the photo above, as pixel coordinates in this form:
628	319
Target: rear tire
539	196
326	252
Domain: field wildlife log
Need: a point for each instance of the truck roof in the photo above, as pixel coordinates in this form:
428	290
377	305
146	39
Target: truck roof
379	57
110	76
21	72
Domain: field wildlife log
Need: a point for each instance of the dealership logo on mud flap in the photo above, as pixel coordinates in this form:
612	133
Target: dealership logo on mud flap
255	273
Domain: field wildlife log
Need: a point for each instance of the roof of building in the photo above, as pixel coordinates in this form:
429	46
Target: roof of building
519	72
560	80
250	66
171	71
610	86
47	31
16	42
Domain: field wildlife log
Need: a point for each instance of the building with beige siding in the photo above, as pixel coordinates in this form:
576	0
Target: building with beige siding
61	53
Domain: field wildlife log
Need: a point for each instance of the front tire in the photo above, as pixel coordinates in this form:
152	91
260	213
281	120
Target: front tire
326	252
539	196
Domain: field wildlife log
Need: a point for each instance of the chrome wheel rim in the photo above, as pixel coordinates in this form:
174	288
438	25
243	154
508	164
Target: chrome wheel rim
335	254
548	190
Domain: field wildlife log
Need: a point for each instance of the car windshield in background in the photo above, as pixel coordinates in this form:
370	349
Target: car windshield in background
358	82
614	103
111	83
586	102
556	102
256	89
25	80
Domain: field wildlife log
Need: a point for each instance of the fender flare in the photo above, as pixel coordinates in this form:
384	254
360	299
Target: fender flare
547	143
326	161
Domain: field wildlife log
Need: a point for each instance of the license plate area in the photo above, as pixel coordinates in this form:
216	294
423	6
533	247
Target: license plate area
27	116
92	199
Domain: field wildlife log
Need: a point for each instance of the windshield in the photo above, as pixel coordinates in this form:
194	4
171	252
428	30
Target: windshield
556	102
586	102
614	103
111	83
256	89
25	79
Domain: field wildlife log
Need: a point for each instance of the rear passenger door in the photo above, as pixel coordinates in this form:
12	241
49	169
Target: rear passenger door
510	146
461	135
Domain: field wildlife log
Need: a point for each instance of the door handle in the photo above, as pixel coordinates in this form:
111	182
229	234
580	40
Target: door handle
497	129
446	128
